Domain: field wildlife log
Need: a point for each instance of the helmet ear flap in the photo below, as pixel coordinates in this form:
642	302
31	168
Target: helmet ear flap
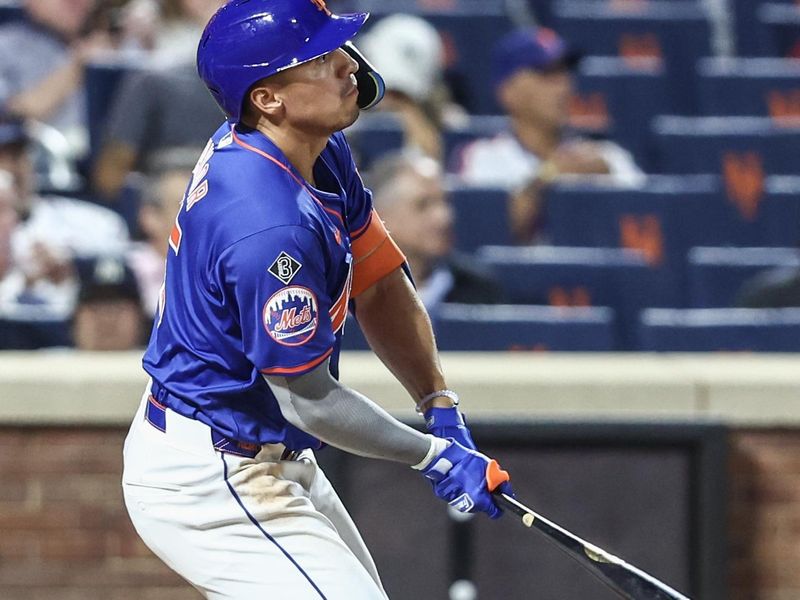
371	86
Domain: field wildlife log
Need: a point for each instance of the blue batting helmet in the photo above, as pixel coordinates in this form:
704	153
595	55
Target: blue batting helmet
247	40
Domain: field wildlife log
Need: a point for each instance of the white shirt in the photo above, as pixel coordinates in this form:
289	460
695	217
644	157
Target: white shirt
69	229
501	161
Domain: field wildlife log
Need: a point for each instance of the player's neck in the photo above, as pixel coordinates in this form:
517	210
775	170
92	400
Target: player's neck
538	140
302	151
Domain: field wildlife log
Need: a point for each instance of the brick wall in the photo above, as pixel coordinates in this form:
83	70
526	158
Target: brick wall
64	533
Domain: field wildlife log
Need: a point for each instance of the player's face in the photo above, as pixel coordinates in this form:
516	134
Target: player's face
420	218
320	95
539	97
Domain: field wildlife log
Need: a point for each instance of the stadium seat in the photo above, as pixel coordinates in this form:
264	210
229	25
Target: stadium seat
716	275
667	216
374	135
764	87
720	329
469	31
11	12
625	97
676	32
751	34
563	276
663	219
713	144
480	217
35	334
463	327
780	24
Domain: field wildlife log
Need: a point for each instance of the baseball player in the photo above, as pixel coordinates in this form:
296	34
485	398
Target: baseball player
275	239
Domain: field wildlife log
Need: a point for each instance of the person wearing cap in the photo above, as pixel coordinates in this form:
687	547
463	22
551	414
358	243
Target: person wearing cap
108	315
533	82
53	230
409	54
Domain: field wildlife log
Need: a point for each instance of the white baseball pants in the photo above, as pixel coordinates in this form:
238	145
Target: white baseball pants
242	528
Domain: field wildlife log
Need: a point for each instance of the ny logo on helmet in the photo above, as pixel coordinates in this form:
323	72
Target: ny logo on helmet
320	4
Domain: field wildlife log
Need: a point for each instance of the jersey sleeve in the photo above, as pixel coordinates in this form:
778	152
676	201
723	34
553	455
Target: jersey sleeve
375	253
275	283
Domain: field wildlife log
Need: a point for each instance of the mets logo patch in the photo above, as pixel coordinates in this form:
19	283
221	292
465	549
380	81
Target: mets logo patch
291	315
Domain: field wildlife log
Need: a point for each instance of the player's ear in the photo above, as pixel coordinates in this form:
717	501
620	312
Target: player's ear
264	100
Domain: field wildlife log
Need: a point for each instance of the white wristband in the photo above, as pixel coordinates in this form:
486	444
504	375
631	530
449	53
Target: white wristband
438	445
440	393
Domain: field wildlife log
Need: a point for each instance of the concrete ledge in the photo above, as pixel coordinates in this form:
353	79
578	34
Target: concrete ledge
756	390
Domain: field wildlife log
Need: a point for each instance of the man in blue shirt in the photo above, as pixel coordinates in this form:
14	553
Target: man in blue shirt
275	239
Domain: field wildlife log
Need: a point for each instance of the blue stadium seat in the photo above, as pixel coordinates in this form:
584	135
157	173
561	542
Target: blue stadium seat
462	327
749	87
480	217
101	81
663	218
751	35
716	275
703	144
631	96
353	339
720	329
374	135
667	216
35	334
780	24
568	276
11	12
678	32
469	31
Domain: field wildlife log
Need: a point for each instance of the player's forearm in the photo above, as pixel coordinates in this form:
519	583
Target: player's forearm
399	331
318	404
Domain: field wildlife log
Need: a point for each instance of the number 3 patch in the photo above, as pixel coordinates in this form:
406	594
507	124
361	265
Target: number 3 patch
285	267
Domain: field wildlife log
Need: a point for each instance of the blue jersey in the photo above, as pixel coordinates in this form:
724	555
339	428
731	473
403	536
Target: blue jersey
259	275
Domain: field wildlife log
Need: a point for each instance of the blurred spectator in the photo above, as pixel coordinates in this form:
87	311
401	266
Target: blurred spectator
166	32
533	78
41	65
160	203
160	117
8	220
108	315
163	114
776	288
408	52
408	193
52	232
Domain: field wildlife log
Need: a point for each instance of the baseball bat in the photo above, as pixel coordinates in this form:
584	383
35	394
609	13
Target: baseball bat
625	579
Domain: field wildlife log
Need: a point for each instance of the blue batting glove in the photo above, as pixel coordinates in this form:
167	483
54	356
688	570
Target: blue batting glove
465	479
449	423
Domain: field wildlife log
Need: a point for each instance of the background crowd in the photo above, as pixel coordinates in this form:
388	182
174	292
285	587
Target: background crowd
631	164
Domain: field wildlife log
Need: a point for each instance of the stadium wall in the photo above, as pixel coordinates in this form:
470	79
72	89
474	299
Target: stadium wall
64	533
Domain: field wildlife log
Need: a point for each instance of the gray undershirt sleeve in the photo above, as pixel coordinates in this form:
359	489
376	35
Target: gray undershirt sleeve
318	404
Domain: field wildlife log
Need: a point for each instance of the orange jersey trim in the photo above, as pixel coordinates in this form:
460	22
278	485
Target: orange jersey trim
375	253
299	368
299	181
